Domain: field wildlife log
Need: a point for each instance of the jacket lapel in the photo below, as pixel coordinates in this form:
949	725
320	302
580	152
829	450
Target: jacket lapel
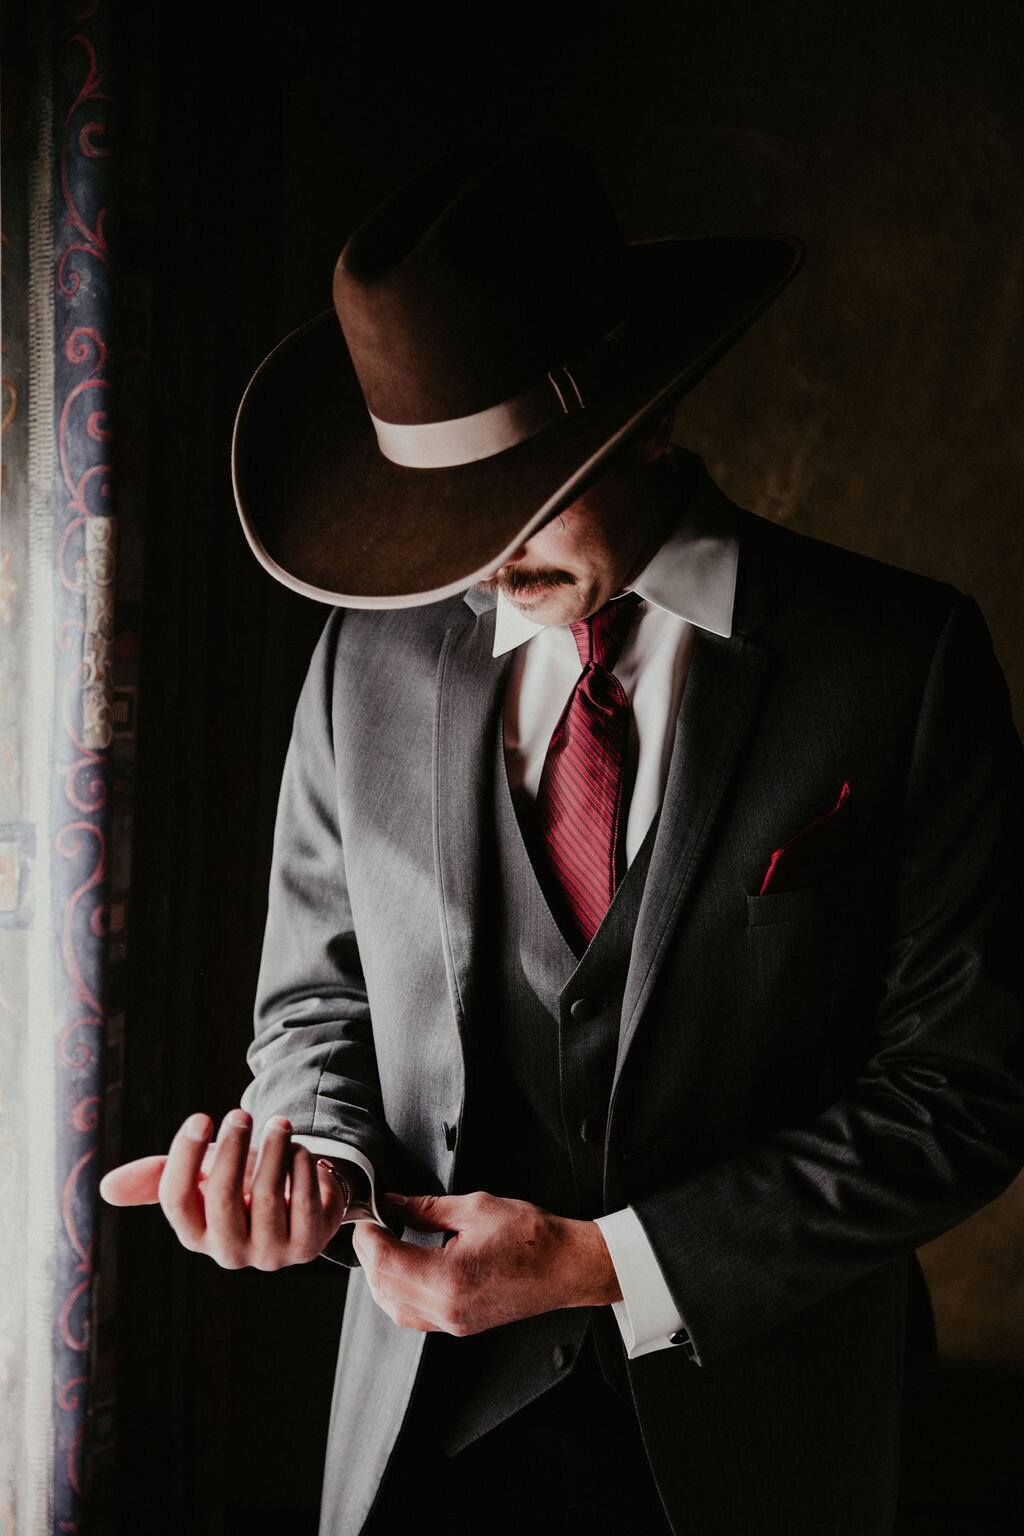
724	686
470	689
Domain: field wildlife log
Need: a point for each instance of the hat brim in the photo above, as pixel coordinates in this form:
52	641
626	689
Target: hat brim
329	516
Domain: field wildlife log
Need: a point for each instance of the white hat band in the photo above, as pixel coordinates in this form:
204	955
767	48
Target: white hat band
465	439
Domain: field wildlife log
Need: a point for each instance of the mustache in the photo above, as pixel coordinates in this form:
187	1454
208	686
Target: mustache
511	578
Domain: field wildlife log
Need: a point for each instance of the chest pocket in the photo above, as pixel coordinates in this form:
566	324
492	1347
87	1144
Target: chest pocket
825	901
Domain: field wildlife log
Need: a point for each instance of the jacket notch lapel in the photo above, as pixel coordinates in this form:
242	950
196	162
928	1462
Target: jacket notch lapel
724	687
470	690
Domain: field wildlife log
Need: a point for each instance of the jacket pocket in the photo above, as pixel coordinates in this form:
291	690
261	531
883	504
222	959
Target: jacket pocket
820	901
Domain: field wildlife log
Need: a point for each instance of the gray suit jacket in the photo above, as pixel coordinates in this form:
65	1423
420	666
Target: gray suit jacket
810	1082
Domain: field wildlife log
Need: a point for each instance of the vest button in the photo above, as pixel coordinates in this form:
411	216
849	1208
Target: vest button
592	1128
561	1356
584	1009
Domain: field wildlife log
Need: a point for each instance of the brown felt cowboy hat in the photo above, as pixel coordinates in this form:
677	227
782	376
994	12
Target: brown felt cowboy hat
498	341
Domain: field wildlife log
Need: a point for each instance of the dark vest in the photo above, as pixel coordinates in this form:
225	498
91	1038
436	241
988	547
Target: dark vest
540	1074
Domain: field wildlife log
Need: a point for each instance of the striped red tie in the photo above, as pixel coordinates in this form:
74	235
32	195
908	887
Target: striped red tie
580	799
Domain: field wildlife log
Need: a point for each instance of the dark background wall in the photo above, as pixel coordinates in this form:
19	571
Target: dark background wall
877	406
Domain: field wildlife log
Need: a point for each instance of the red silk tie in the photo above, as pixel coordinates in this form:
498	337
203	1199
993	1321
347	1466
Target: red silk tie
580	801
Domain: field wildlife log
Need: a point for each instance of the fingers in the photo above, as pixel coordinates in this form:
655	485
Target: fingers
284	1220
371	1243
394	1273
306	1221
227	1217
179	1186
409	1283
210	1158
316	1205
507	1259
379	1253
240	1207
136	1183
268	1210
430	1213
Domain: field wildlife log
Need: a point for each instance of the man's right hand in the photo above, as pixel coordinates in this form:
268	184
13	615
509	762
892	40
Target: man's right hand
221	1199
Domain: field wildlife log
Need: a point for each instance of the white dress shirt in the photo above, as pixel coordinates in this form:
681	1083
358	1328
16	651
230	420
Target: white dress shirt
690	582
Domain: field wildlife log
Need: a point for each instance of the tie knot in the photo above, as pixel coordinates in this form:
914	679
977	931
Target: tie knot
600	638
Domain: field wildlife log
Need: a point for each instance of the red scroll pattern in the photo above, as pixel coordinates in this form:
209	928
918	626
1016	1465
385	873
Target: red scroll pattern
84	497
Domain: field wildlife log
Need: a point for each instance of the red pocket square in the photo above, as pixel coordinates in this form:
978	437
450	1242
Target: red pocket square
813	853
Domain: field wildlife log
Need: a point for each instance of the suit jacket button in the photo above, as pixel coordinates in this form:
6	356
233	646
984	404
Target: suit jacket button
561	1356
584	1009
592	1128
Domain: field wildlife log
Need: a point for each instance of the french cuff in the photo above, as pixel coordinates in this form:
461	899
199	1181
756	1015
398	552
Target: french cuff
647	1316
342	1151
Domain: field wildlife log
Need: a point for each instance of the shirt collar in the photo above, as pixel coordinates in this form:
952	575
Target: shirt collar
693	575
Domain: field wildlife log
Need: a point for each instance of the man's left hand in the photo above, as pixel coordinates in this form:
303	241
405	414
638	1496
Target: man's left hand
505	1260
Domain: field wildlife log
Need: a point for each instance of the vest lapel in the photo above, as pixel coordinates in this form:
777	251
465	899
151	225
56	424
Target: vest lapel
470	689
724	686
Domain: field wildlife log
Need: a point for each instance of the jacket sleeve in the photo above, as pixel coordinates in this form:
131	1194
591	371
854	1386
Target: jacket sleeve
932	1127
312	1057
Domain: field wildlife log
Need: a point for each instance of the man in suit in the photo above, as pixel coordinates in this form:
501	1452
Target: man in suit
640	962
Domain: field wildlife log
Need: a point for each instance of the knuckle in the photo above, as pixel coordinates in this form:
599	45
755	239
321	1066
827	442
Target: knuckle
269	1262
228	1259
454	1314
450	1313
184	1230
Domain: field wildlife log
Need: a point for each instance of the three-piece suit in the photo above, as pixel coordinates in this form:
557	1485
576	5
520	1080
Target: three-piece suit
794	1046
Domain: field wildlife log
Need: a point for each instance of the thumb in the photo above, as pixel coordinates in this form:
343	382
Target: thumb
136	1183
427	1213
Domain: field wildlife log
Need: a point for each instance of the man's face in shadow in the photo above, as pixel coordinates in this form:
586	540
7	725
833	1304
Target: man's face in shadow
590	552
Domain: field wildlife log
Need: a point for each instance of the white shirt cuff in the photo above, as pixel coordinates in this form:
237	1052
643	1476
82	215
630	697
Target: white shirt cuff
647	1316
326	1146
